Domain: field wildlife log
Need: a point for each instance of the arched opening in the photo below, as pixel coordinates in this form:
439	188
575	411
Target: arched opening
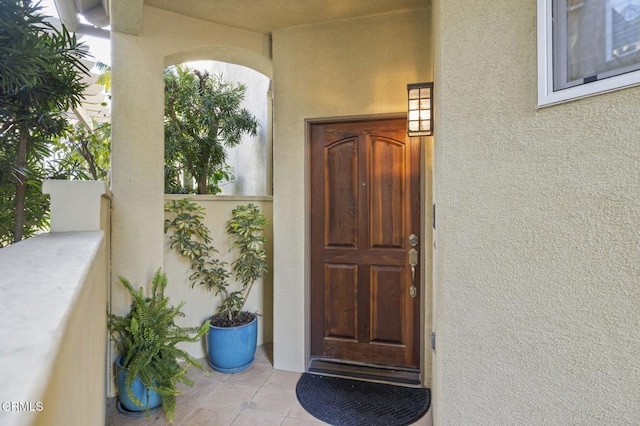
250	164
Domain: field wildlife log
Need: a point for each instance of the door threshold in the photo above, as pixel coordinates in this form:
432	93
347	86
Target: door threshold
375	373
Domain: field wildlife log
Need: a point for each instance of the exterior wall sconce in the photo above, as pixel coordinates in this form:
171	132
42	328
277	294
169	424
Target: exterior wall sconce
420	122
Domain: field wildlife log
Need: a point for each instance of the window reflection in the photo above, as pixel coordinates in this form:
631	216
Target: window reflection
595	40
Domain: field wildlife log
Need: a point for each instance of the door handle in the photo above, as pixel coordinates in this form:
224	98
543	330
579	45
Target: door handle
413	262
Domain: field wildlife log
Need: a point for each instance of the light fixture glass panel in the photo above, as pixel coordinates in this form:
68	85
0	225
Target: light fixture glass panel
419	109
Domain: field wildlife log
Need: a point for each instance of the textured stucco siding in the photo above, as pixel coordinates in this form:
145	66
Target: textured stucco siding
537	272
54	331
137	184
348	68
137	130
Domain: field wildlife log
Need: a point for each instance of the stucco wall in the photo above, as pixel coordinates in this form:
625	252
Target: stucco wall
137	130
138	64
536	267
75	392
348	68
54	334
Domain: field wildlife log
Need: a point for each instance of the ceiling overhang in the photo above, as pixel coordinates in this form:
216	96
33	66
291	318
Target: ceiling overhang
264	16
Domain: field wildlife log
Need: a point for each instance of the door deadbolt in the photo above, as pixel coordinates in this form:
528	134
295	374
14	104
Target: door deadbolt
413	258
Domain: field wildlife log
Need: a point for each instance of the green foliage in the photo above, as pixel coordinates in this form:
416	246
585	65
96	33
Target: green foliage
21	54
190	238
245	229
147	337
40	79
203	117
82	155
36	205
105	77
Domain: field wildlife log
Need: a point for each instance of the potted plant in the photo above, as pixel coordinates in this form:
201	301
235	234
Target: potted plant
233	333
150	365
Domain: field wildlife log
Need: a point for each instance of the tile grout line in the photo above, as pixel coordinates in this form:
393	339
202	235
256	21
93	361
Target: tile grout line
199	405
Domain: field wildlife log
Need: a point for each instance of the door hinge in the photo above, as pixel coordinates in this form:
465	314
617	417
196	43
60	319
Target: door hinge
433	341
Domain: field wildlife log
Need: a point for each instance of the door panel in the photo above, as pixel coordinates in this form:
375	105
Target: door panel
341	220
388	301
364	205
387	193
341	300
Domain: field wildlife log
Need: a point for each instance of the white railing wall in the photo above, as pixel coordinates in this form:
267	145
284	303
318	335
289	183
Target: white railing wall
53	296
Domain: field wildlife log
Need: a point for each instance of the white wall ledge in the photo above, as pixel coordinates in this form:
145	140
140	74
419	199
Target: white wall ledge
210	197
40	282
76	205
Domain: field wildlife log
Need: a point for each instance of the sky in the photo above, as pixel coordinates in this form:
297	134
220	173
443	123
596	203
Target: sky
100	48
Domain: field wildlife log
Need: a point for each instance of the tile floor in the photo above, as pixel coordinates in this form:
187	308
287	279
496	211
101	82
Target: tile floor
260	395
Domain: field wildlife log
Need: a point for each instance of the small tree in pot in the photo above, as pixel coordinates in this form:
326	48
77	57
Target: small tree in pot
190	237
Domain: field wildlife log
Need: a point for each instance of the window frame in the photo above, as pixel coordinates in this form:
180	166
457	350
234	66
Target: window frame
546	56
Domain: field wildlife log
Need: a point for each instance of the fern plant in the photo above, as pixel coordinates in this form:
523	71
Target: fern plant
190	237
147	337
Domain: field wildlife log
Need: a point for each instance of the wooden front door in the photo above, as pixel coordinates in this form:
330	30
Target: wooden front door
365	189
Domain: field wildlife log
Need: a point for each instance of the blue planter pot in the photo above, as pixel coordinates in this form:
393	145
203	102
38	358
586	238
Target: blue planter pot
232	349
150	399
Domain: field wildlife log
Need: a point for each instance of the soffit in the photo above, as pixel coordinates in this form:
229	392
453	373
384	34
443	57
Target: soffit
266	16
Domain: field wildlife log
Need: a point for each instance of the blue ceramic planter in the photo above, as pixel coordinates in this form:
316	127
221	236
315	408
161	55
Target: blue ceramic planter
150	400
232	349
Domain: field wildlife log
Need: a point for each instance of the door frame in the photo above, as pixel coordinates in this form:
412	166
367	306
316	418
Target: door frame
426	238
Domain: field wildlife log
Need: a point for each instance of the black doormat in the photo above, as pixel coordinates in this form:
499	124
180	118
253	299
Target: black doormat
339	401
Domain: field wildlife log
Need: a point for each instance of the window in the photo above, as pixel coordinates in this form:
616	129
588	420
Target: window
586	47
